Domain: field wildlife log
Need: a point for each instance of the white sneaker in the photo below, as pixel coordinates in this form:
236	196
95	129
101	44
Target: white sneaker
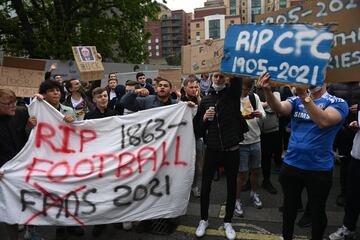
341	233
229	231
127	226
239	212
255	200
200	231
196	191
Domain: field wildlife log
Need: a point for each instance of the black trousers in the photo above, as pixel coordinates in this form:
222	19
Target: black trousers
352	200
343	142
270	146
317	183
213	159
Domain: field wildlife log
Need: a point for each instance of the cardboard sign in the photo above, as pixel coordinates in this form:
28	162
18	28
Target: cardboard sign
202	58
115	169
88	62
21	75
292	53
345	62
173	75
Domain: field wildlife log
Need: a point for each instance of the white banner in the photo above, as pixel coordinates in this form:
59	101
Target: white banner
123	168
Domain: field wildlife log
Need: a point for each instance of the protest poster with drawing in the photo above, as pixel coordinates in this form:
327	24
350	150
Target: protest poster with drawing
116	169
88	62
290	53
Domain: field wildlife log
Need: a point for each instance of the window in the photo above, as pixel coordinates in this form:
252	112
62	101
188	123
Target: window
149	47
149	41
282	3
214	29
150	54
197	25
157	47
197	37
232	22
156	39
157	53
232	7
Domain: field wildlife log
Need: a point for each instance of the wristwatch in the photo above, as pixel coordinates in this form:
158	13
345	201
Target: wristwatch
307	99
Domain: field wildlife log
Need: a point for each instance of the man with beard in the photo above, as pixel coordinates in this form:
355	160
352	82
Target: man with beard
135	103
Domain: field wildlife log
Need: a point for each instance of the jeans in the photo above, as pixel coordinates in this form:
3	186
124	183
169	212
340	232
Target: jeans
317	183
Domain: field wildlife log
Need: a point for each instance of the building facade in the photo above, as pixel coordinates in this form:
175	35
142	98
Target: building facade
168	34
212	21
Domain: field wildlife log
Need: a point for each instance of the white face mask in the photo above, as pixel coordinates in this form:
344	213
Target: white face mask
315	89
218	87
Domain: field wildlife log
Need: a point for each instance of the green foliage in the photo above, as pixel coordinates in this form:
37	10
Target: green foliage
49	28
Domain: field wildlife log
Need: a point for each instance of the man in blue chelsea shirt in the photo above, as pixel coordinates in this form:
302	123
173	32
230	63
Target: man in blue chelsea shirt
316	117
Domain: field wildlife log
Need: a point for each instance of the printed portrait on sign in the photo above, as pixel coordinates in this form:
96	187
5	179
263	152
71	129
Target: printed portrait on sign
86	54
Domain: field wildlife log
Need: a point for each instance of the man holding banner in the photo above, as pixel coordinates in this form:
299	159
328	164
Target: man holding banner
14	126
316	117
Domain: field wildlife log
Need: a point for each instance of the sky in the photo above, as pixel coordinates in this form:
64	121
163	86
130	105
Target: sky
186	5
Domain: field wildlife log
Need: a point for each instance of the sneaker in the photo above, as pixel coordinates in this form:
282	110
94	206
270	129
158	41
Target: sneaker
255	200
239	212
195	192
269	187
127	226
304	222
229	231
200	231
341	234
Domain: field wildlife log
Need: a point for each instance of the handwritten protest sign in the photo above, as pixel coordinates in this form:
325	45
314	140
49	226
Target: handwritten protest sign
294	53
171	74
122	168
202	58
88	62
345	62
23	76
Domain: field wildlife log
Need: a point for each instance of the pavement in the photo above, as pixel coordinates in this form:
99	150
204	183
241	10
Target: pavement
257	224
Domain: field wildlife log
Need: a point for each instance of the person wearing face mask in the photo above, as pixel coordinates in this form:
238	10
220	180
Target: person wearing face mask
316	117
220	122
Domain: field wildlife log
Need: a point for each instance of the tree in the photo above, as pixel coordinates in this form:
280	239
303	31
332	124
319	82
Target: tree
49	28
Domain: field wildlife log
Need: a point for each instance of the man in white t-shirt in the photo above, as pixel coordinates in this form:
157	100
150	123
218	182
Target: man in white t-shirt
250	147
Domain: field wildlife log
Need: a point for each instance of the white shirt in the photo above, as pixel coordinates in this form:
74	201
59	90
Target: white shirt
253	135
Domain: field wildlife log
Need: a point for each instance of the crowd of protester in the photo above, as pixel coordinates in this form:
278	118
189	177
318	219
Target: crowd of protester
241	125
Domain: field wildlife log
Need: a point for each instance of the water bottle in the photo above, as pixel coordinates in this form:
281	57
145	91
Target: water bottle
212	118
